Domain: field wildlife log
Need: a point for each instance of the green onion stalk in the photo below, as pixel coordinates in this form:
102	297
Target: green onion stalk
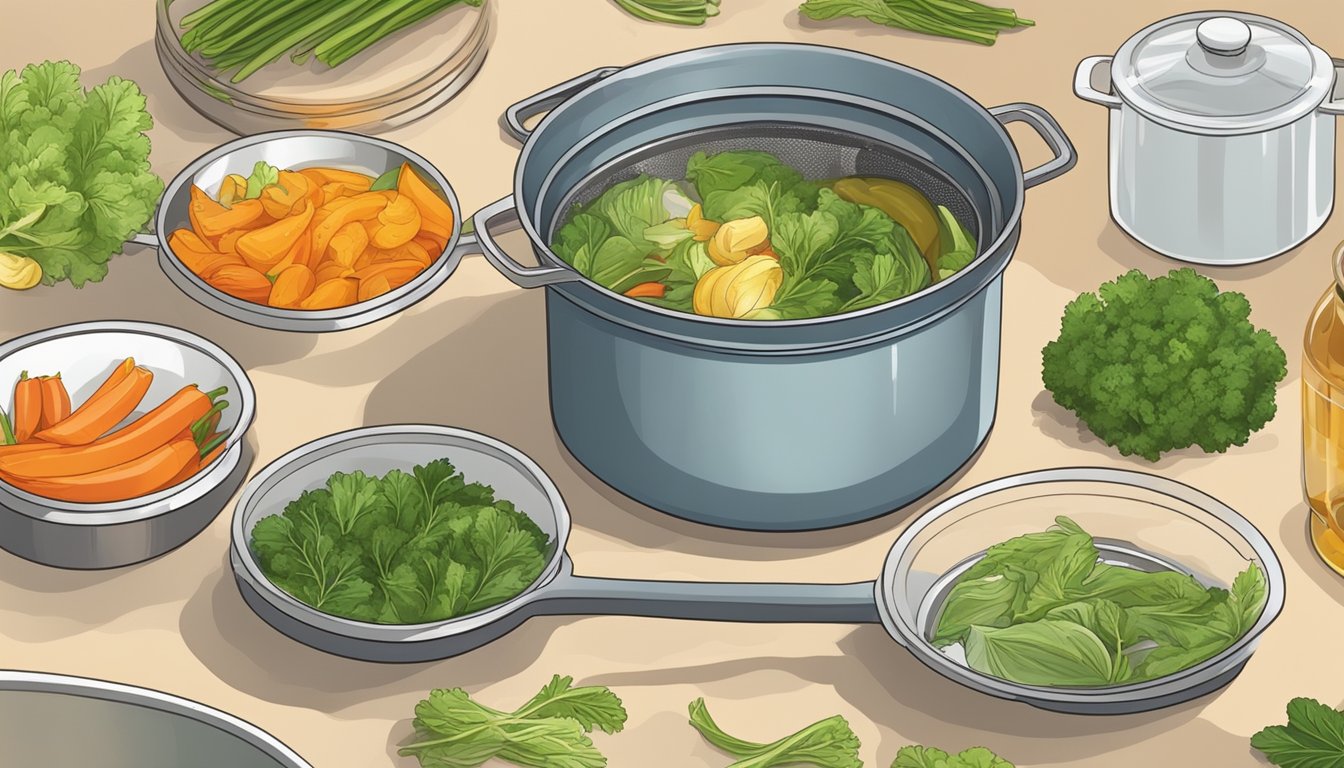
244	36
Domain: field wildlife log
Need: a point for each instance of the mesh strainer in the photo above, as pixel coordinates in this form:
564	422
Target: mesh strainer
817	153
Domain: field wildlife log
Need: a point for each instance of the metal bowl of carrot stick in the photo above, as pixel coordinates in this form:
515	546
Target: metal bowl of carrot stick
121	441
309	230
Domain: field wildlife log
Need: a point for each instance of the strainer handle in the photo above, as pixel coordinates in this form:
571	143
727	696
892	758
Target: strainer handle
1048	129
521	276
571	595
539	104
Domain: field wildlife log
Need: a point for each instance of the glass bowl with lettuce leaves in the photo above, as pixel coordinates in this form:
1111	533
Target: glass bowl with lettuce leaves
1083	590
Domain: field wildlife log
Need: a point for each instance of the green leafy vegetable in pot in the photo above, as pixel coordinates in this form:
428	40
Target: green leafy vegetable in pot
75	180
549	731
745	236
928	757
828	743
960	19
1042	609
1313	737
1152	365
406	548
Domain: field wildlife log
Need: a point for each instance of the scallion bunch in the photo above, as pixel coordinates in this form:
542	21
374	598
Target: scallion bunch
688	12
959	19
246	35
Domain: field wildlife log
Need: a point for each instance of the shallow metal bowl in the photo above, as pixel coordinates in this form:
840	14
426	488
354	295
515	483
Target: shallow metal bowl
376	451
122	726
1137	520
77	535
291	150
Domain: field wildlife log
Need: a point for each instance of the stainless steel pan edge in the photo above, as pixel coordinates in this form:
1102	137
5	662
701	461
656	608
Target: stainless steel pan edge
145	698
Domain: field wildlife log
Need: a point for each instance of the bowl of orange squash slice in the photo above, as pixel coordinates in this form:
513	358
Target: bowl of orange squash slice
309	230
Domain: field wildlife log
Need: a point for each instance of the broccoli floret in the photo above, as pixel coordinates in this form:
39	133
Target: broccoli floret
1153	365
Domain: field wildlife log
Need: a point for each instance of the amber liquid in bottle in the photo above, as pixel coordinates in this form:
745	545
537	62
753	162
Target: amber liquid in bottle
1323	421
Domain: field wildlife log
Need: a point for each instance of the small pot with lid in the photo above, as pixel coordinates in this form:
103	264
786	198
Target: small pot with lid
1222	138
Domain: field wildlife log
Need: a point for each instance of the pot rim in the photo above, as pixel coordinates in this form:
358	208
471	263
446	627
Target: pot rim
1009	224
1316	93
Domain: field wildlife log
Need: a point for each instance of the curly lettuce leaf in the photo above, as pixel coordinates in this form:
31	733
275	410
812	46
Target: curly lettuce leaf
930	757
844	256
75	180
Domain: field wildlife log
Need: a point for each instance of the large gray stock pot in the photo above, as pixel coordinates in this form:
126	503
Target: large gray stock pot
772	425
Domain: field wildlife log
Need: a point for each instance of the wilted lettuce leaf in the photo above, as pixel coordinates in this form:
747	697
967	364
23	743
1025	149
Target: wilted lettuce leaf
770	201
1044	652
633	206
1148	624
989	601
729	171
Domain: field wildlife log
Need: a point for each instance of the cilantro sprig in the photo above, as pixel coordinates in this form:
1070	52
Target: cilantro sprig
549	731
406	548
1313	737
828	743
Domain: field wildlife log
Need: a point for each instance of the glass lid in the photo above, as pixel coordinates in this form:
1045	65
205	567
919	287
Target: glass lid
1222	71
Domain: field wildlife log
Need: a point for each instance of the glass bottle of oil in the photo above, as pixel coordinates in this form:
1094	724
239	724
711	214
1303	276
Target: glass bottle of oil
1323	419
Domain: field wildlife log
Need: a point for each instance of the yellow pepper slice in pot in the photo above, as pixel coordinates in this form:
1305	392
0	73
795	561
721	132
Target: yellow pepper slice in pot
739	290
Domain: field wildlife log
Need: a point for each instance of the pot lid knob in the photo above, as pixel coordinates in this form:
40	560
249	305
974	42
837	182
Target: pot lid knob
1224	36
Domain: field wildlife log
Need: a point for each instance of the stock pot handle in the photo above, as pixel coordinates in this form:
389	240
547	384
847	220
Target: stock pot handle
1082	82
541	103
521	276
1049	131
1335	104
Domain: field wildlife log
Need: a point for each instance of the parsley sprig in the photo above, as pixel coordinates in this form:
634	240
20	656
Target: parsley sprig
549	731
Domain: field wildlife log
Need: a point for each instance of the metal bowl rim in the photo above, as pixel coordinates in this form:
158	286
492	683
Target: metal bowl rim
340	318
105	690
241	553
1100	697
143	507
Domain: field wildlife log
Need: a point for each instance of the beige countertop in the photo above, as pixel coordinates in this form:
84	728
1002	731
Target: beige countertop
473	355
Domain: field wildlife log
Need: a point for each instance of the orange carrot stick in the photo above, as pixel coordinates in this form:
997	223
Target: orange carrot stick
114	378
27	407
55	401
154	429
647	291
22	449
196	464
124	481
101	412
